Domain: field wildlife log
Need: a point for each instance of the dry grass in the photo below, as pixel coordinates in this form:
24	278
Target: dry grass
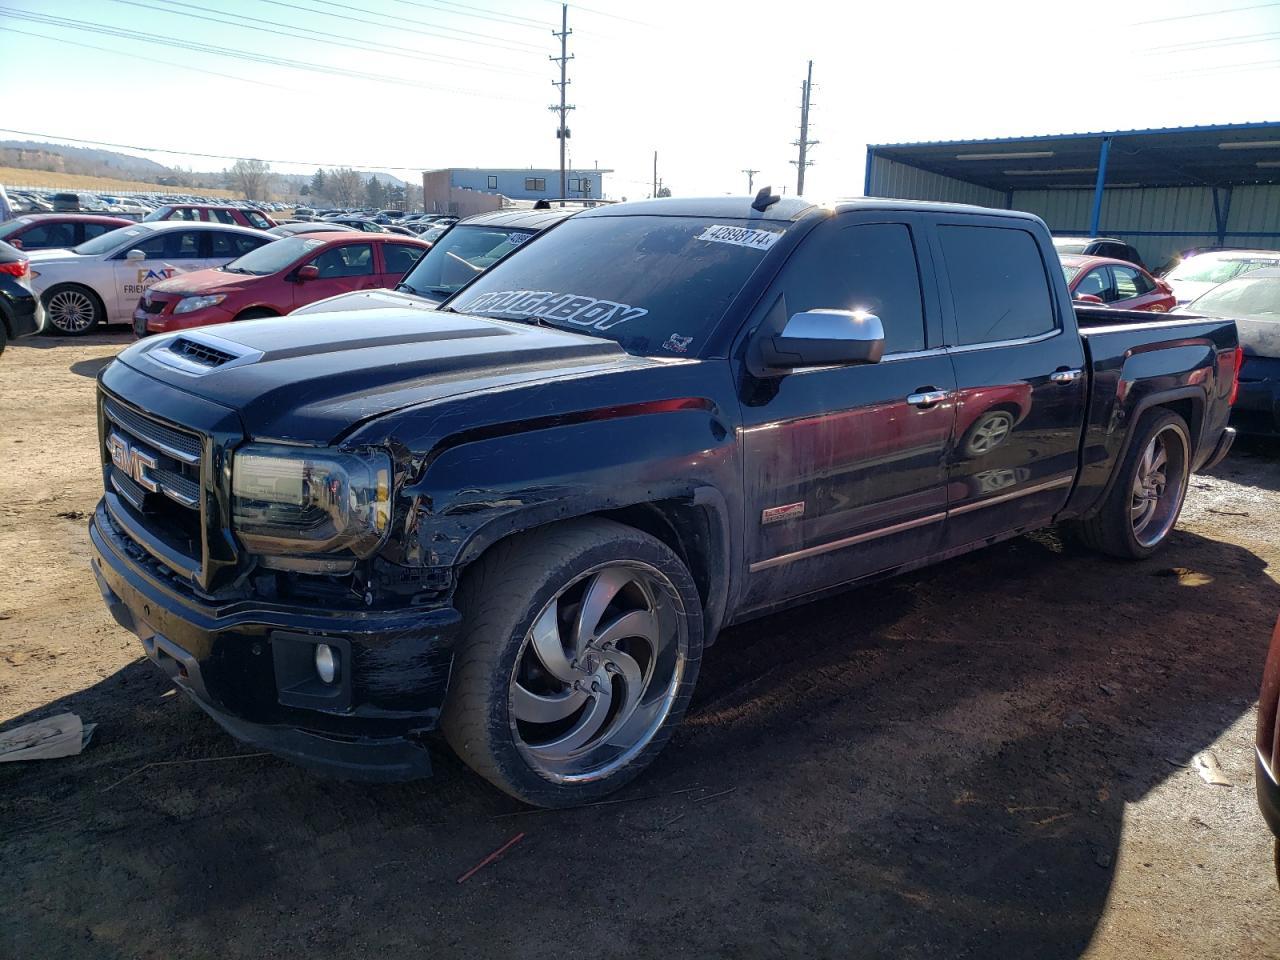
18	177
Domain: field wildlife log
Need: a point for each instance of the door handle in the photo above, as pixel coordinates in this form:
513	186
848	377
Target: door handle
1066	376
927	397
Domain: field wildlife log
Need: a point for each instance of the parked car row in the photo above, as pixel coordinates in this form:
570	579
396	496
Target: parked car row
132	206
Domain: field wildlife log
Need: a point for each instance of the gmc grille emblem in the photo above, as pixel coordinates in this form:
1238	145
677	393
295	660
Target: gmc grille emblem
132	462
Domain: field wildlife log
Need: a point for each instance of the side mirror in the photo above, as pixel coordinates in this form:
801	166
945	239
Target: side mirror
820	338
1088	298
135	255
308	272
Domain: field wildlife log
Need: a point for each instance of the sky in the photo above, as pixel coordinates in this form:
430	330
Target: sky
712	86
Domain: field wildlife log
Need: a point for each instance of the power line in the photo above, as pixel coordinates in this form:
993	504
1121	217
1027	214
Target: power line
467	10
604	13
208	156
1206	13
1244	38
486	40
321	36
134	56
237	54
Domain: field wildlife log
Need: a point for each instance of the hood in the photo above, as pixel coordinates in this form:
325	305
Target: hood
51	256
204	281
313	380
370	300
1187	290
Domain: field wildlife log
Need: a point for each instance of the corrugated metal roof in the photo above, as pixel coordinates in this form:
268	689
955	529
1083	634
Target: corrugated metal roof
1137	131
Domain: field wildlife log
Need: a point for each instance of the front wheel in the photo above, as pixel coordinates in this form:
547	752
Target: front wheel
581	648
1138	514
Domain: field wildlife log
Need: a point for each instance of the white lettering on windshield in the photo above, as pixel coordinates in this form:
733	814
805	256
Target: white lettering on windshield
570	307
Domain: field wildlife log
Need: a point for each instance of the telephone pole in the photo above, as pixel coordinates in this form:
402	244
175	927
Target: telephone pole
562	132
804	143
751	180
655	174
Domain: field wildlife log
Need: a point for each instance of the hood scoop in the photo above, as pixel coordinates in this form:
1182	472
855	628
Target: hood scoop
196	355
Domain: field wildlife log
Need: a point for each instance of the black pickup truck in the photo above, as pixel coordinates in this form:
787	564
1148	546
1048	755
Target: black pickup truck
521	518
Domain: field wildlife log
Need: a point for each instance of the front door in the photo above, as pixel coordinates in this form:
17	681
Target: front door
845	467
1020	379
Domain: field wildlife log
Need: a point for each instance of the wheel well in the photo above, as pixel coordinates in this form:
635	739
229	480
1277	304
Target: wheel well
1188	410
72	285
263	311
682	526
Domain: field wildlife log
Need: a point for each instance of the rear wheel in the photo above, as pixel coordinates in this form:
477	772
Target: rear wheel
72	310
581	649
1140	511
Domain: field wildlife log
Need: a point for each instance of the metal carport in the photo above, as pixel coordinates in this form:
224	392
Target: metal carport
1162	190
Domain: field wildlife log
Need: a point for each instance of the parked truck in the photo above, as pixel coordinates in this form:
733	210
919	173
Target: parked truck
520	519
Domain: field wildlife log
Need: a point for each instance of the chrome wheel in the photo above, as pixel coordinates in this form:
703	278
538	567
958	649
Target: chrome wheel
71	311
598	671
1159	484
989	432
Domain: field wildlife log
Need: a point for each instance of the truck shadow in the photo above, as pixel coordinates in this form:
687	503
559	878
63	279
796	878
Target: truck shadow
937	765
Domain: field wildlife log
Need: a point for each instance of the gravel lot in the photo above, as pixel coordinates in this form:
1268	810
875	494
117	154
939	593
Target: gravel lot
991	758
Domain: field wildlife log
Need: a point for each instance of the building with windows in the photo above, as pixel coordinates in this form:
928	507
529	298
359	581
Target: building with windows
523	183
1162	191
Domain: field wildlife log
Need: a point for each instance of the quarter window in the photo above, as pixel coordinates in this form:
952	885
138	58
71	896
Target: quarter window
868	266
1129	283
999	287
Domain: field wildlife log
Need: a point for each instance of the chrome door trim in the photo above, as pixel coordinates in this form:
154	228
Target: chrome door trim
845	542
1064	481
995	344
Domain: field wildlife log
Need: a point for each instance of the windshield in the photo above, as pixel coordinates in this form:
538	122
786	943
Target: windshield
656	285
461	255
108	242
1067	245
1212	269
1250	298
274	256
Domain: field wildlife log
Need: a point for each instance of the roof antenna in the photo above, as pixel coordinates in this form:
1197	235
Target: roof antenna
764	199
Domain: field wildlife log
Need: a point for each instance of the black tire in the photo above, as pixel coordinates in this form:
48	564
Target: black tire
91	312
256	313
1110	528
517	583
4	337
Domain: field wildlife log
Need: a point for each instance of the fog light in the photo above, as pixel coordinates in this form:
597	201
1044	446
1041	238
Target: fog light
326	663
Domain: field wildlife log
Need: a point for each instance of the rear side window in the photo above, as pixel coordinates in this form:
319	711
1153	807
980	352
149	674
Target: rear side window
866	266
999	286
352	260
400	257
1129	282
258	220
185	245
223	216
46	235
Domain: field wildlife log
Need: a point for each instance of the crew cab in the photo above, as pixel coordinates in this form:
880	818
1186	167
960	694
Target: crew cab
520	519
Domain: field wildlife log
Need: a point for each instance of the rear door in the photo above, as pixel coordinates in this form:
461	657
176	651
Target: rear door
845	469
397	260
1019	374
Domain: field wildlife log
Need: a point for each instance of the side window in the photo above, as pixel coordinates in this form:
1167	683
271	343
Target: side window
222	244
867	266
154	247
352	260
1094	283
243	244
258	220
998	283
1129	282
535	183
48	235
400	257
223	216
92	230
185	245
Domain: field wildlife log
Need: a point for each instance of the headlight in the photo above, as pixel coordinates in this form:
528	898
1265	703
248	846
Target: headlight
191	304
308	502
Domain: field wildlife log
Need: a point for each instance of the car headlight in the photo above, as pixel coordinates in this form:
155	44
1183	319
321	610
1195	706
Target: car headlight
308	502
191	304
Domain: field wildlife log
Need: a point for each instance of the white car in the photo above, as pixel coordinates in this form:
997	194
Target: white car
1197	275
101	280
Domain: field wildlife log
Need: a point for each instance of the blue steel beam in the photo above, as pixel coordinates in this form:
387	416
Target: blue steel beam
1098	187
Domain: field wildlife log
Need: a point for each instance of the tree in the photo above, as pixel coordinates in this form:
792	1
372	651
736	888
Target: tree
319	185
396	198
344	186
252	178
304	190
374	192
664	191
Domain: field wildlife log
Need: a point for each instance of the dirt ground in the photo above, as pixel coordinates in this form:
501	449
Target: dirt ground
992	758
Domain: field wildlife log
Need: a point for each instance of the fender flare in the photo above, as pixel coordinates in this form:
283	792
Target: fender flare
1198	404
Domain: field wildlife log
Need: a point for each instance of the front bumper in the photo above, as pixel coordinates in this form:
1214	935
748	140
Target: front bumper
239	658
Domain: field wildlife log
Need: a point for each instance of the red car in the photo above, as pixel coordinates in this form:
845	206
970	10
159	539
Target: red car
1116	283
276	278
57	231
211	213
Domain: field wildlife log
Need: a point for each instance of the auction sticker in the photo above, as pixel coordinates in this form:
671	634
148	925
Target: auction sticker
740	236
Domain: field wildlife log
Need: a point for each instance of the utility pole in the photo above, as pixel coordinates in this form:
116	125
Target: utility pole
655	174
804	143
751	180
562	132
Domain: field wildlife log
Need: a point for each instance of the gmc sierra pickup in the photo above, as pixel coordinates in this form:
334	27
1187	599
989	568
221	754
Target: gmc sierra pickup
521	518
